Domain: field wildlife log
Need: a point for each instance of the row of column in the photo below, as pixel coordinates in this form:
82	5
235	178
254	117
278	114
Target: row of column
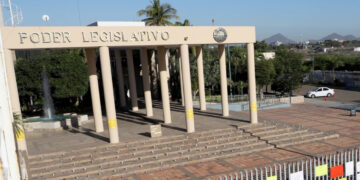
185	79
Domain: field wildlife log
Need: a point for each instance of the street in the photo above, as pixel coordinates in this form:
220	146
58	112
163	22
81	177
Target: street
341	96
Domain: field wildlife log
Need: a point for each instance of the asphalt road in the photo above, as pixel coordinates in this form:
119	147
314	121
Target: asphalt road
341	95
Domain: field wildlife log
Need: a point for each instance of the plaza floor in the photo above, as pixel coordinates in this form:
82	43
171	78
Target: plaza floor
135	126
307	115
132	126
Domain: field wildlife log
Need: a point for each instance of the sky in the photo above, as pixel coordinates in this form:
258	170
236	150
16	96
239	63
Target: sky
296	19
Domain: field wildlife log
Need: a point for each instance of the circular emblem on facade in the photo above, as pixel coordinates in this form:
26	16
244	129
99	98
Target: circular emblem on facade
220	35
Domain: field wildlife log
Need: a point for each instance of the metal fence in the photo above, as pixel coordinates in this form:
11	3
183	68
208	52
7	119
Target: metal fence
342	166
243	98
241	102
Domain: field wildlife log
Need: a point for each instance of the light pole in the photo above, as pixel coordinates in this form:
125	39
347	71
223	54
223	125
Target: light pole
228	52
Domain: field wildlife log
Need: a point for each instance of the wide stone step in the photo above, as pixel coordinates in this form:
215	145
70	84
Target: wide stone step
307	140
121	168
272	131
140	156
160	146
286	134
166	152
294	137
249	126
158	141
260	128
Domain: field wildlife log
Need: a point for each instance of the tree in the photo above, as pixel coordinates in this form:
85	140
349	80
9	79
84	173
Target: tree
211	69
238	68
261	46
67	72
158	14
289	71
334	63
240	86
28	75
265	73
185	23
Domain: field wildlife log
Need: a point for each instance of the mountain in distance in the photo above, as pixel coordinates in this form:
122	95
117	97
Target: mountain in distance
334	36
278	38
275	39
350	38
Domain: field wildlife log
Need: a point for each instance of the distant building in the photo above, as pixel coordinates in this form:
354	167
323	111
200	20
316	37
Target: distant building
276	43
269	55
356	49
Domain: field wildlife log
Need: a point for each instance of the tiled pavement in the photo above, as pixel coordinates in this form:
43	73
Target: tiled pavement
307	115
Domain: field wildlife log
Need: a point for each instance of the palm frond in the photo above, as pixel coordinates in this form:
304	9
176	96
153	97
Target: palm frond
18	124
158	14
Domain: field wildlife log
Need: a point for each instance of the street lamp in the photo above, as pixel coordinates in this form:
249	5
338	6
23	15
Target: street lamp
228	52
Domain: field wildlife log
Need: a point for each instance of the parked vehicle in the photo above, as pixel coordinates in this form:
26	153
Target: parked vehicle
320	92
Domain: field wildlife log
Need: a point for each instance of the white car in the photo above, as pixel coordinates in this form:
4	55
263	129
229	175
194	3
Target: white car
320	92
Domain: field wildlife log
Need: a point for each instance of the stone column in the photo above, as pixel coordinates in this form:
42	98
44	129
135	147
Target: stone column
132	79
146	81
10	70
109	94
252	83
199	57
189	112
94	89
14	95
120	78
164	84
181	81
223	81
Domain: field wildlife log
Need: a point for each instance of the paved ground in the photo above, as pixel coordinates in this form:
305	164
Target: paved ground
341	95
132	126
309	115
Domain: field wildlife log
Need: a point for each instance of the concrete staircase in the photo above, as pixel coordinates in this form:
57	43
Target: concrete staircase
164	152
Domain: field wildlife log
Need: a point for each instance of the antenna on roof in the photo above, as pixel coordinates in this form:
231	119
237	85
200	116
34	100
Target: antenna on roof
16	16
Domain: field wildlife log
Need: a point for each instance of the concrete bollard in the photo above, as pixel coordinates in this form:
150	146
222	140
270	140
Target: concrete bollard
352	112
68	123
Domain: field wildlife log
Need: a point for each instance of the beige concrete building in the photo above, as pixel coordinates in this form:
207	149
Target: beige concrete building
142	38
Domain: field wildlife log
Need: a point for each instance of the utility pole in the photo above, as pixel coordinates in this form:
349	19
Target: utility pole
313	64
229	64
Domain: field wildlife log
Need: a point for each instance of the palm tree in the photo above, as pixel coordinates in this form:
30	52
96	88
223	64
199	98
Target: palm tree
185	23
158	14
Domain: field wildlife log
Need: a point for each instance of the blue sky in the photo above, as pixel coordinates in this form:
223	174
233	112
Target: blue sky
296	19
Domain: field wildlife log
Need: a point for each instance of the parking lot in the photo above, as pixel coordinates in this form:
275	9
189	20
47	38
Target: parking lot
342	96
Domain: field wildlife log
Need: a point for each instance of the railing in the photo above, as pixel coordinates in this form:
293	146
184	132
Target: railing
341	166
241	102
239	98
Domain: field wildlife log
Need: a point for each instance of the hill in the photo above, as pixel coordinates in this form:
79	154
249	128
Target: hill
278	38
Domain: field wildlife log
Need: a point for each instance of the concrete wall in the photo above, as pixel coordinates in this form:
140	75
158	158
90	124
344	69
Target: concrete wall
294	100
